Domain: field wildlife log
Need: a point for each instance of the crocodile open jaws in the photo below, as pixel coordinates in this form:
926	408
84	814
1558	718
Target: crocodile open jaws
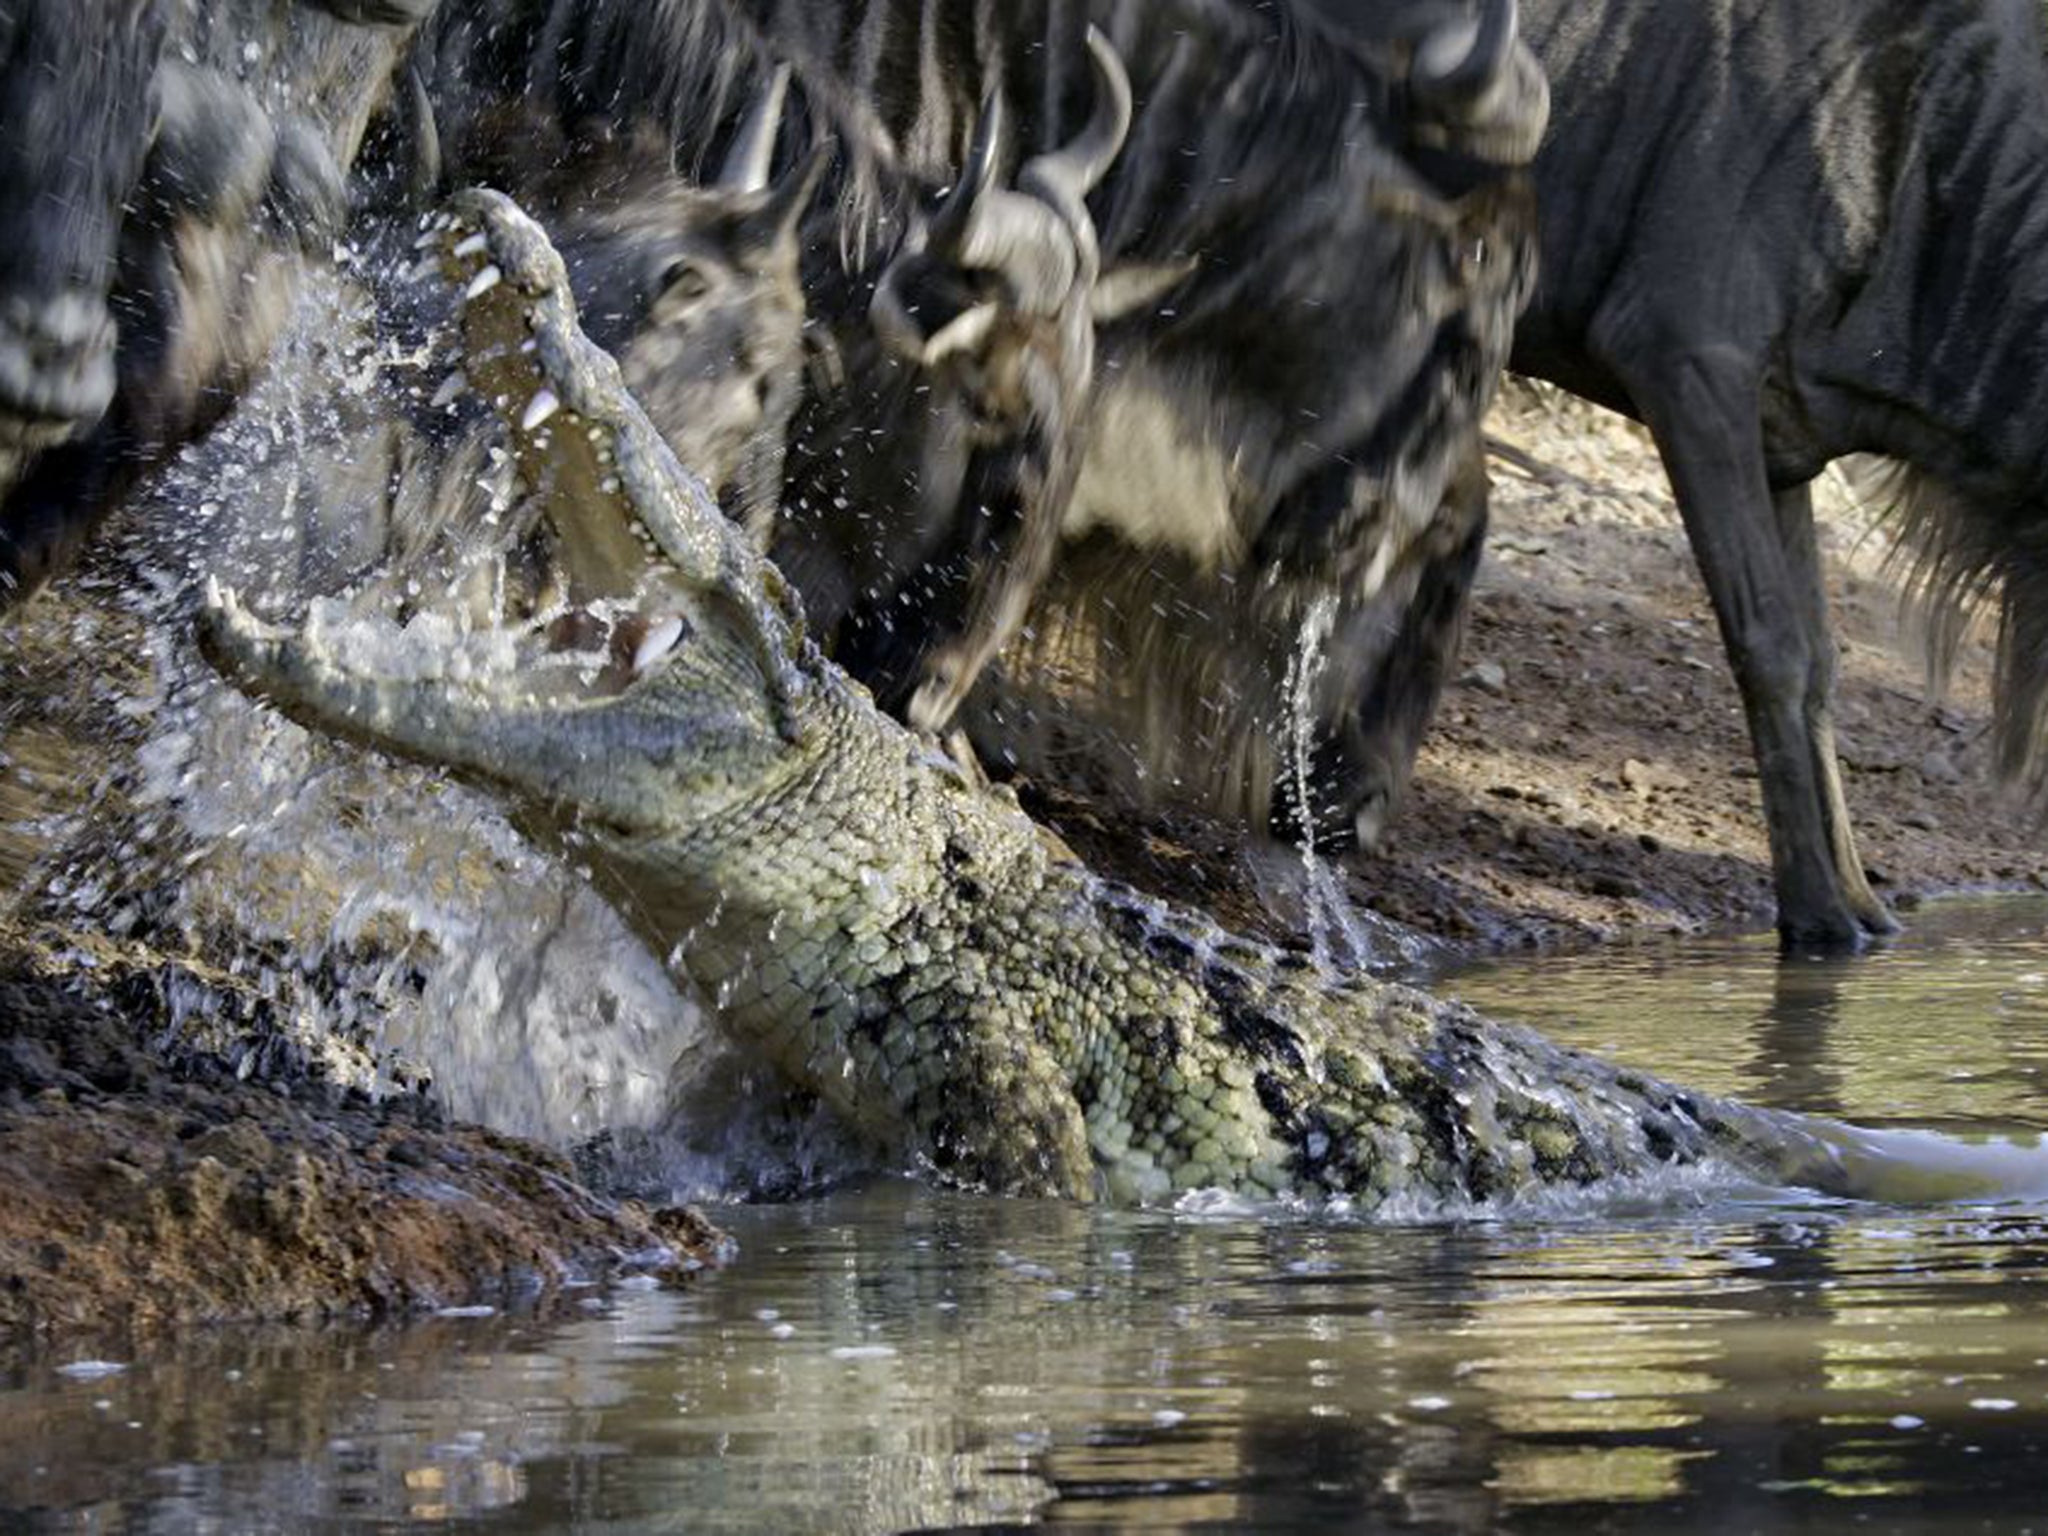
907	945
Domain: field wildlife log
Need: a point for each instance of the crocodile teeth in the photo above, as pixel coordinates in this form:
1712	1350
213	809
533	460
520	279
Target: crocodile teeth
543	405
483	283
659	640
451	389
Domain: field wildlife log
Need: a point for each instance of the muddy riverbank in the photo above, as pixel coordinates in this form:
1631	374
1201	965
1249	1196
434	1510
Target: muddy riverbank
1589	777
151	1184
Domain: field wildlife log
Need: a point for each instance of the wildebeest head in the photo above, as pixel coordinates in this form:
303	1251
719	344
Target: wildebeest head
1331	259
1469	85
78	109
694	288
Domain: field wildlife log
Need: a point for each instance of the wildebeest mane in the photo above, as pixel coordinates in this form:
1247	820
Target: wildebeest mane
901	82
685	69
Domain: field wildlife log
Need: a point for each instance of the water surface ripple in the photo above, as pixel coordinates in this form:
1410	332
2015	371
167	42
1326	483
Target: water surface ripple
893	1359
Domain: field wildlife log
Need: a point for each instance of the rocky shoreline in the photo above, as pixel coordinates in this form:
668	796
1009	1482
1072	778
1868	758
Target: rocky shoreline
158	1186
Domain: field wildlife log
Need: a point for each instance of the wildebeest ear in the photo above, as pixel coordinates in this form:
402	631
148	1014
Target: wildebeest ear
380	13
1134	285
770	230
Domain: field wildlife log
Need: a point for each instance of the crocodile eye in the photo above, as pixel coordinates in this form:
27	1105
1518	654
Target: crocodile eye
683	279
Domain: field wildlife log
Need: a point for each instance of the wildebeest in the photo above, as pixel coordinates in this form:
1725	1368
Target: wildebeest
693	287
78	103
163	165
1266	446
1778	234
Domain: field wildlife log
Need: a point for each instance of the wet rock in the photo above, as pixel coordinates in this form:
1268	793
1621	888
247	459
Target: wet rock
1870	757
1939	768
187	1194
1613	886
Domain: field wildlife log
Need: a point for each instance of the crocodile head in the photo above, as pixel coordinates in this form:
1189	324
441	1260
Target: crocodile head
658	675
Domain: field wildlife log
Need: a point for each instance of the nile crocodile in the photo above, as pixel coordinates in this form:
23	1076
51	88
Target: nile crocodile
903	942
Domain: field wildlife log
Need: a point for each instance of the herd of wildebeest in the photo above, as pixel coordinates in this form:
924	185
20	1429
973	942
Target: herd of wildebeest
1082	362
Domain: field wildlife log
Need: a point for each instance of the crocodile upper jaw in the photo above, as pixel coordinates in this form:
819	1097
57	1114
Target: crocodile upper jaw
665	652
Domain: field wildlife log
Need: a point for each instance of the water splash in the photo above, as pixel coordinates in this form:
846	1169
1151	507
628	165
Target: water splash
1336	938
395	926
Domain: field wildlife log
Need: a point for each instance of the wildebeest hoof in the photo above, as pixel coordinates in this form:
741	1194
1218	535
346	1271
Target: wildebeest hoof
961	751
1369	824
934	704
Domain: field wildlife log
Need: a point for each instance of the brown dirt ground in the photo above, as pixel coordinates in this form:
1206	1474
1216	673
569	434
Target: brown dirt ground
1589	777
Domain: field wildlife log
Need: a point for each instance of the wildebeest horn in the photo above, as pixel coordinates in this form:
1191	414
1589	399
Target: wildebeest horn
752	156
1039	237
1457	63
950	224
948	240
776	219
1067	175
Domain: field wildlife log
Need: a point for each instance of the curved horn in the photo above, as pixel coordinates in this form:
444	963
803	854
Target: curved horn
1040	237
949	226
774	224
751	160
1449	71
945	238
1065	176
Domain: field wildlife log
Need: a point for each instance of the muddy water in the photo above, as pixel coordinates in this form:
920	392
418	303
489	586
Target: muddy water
890	1359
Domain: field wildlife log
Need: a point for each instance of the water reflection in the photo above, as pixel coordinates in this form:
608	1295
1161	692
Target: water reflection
891	1359
894	1360
1945	1028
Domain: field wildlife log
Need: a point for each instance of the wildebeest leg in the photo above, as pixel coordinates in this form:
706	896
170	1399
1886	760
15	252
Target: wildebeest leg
1703	408
1373	749
1794	508
1002	596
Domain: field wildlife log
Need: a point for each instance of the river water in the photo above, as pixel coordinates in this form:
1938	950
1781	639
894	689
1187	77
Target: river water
887	1358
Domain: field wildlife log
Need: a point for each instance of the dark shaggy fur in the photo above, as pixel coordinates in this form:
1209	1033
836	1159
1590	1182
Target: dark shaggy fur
198	153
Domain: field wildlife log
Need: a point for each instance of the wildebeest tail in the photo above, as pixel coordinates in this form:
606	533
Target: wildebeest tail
1963	554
